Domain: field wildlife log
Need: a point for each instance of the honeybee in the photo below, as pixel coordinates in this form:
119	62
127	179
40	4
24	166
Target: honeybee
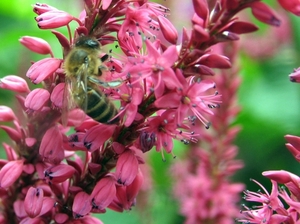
83	67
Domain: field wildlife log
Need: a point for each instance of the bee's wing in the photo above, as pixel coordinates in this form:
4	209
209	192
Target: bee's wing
75	93
111	84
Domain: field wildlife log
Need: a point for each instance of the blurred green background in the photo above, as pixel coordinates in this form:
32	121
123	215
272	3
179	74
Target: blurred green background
270	105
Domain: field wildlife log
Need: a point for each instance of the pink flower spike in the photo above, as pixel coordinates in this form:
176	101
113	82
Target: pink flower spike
37	45
291	5
33	201
103	193
264	13
6	114
36	99
53	19
42	69
10	172
168	29
81	205
40	8
59	173
51	146
14	83
97	136
126	168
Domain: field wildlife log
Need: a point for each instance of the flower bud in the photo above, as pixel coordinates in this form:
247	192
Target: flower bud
53	19
264	13
6	114
81	205
35	44
10	172
42	69
36	99
33	201
291	5
168	29
40	8
126	168
59	173
14	83
104	192
51	146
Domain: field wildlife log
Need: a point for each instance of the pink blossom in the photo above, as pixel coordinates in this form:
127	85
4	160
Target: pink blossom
104	192
81	205
168	30
291	5
59	173
264	13
42	69
14	83
50	150
126	168
40	8
36	45
33	201
53	19
10	173
6	114
37	99
295	76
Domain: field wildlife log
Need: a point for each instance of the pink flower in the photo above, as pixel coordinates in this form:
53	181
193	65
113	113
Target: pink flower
36	45
14	83
59	173
51	146
103	193
42	69
190	98
295	76
33	201
81	205
291	5
53	19
168	30
10	172
264	13
126	168
6	114
37	99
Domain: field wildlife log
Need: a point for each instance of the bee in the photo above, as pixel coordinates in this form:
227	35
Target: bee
83	67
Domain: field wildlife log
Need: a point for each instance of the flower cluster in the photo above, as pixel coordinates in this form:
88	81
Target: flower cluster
52	175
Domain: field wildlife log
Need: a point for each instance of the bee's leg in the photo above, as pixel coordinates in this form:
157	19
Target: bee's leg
104	58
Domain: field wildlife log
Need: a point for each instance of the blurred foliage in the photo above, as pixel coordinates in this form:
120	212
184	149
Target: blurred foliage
269	101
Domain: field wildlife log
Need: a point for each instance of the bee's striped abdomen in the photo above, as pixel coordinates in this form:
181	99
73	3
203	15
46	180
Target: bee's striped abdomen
100	108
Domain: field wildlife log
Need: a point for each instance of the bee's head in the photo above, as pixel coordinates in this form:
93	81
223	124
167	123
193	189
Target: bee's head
86	41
